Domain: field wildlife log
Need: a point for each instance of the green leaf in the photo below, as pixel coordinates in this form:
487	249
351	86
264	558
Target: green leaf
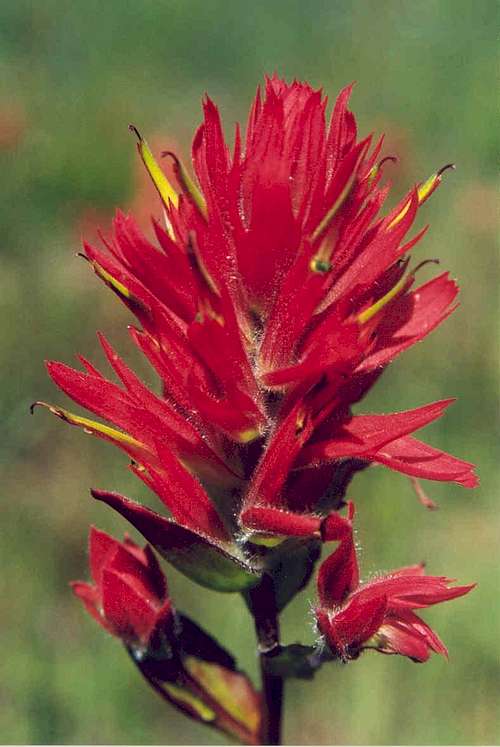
290	565
193	640
233	693
297	661
189	703
208	564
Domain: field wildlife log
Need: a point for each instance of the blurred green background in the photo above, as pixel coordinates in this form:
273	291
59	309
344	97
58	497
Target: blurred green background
72	75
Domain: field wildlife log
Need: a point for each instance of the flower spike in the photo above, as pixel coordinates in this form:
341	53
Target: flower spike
268	304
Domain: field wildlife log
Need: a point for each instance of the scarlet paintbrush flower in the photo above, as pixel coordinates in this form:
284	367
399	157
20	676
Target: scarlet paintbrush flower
380	613
274	300
129	595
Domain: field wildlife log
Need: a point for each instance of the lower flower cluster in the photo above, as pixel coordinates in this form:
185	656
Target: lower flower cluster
377	614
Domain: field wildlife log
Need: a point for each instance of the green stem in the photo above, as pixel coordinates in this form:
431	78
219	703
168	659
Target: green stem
262	604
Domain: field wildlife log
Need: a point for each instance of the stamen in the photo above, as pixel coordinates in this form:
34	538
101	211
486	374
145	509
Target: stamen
197	263
205	308
319	265
112	282
393	159
165	190
370	312
399	217
422	495
187	184
422	264
428	187
445	168
375	170
424	191
321	262
119	288
251	434
330	215
92	427
300	422
403	282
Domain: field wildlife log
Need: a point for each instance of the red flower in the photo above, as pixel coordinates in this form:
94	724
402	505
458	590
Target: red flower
379	613
272	303
129	596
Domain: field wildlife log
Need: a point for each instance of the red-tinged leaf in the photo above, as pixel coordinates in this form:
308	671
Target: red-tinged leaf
273	231
335	527
428	597
122	282
235	413
301	291
412	457
414	622
144	417
405	591
369	433
139	412
155	270
105	399
236	702
200	558
341	186
353	240
305	146
340	134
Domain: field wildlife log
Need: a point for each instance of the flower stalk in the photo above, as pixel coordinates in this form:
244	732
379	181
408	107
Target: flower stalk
262	604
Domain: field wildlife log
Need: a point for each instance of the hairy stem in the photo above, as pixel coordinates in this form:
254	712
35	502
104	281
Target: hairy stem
262	604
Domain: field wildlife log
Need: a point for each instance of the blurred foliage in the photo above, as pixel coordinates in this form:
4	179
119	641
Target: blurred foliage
72	75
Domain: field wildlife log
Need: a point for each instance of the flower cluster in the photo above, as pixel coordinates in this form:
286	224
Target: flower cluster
275	296
377	614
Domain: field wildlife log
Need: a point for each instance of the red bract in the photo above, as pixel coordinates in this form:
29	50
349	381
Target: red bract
129	595
273	300
377	614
